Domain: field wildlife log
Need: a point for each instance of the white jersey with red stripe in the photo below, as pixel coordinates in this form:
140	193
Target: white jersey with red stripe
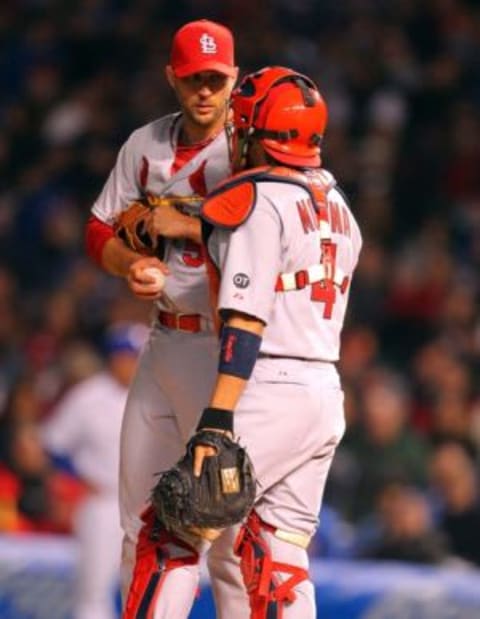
273	267
176	369
144	169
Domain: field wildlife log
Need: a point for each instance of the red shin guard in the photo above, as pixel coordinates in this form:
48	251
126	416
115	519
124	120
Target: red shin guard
267	593
152	564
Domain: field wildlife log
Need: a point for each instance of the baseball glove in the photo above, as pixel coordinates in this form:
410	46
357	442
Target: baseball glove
131	228
223	494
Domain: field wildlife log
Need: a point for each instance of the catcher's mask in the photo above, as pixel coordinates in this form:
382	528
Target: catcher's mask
285	111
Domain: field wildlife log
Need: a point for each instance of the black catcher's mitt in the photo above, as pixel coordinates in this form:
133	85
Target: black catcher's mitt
223	494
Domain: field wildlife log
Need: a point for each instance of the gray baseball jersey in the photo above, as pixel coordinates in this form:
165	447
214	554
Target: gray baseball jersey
177	369
144	168
260	261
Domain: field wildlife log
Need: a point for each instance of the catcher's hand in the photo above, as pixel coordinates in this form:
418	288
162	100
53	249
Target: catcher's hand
132	227
221	496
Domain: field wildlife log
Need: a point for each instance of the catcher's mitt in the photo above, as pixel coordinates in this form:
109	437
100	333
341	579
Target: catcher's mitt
223	494
131	228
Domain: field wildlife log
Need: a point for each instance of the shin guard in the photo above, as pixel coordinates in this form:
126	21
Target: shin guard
152	563
268	594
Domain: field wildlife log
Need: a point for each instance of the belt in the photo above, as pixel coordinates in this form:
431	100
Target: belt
189	323
263	355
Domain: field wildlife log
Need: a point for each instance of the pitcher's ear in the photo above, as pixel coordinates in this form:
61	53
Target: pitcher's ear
169	74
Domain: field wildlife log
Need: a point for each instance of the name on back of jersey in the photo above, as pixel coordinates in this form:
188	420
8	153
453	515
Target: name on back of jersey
335	214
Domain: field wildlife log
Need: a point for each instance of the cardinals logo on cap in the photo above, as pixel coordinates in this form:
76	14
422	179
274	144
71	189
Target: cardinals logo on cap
208	44
203	45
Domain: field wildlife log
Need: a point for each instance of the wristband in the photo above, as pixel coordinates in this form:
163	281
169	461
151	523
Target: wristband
217	418
238	352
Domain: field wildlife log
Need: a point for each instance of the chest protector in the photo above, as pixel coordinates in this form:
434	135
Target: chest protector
232	202
230	205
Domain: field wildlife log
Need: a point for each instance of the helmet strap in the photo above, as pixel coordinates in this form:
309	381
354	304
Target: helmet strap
283	136
245	142
308	98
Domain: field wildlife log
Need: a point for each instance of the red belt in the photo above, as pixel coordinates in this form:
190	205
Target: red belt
190	323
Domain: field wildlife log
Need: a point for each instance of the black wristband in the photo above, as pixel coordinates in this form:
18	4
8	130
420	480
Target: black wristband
217	418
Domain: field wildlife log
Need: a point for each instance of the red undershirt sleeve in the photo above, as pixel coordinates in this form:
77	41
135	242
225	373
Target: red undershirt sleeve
97	233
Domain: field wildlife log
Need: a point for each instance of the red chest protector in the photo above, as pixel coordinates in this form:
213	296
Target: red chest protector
232	202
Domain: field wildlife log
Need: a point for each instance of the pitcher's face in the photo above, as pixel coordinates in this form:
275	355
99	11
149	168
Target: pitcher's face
203	97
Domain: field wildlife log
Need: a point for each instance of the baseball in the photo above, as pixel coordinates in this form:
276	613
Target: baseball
155	274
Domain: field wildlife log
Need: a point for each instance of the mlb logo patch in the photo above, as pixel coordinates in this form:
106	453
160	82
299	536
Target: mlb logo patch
208	44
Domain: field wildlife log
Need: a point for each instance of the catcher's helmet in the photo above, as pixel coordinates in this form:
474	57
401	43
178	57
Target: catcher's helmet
285	111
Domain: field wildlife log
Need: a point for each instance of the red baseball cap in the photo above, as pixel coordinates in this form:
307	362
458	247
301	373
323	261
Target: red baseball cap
202	46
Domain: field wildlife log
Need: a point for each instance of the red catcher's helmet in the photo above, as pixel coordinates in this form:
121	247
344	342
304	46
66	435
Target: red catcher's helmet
285	111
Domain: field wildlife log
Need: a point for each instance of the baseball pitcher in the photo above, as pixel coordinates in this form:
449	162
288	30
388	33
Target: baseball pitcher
145	221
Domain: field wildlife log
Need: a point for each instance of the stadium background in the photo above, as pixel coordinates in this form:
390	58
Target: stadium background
402	81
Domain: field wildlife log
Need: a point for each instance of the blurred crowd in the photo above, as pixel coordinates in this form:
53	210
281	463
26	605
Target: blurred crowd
402	81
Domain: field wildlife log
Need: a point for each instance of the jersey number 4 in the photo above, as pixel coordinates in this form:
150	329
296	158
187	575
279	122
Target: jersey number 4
325	291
